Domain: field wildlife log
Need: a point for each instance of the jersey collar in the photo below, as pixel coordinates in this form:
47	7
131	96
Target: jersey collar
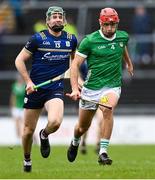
109	39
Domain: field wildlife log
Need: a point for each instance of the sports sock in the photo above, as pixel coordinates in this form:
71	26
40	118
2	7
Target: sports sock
104	143
76	141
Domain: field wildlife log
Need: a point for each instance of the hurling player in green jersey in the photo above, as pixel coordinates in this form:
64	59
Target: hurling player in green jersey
16	104
104	50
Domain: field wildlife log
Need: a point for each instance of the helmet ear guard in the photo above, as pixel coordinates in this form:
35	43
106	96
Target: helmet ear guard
108	15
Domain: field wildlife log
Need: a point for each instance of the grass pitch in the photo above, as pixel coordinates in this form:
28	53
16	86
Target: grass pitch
137	161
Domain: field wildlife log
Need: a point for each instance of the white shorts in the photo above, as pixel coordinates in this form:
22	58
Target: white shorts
17	112
96	95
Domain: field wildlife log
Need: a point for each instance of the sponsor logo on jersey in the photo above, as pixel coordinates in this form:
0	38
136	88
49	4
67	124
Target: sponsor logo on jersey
50	57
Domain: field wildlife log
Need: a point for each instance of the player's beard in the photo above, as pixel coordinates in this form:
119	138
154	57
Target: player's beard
56	28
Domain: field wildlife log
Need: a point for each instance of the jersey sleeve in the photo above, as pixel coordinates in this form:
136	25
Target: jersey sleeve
31	44
74	43
126	35
84	47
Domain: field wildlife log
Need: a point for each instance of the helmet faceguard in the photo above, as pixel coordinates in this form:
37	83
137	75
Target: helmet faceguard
108	15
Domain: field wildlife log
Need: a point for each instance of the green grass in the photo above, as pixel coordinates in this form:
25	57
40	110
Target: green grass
137	161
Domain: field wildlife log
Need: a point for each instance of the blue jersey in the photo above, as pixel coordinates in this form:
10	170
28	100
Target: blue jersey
50	56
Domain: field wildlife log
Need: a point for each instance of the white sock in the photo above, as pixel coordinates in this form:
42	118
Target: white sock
76	141
27	163
104	143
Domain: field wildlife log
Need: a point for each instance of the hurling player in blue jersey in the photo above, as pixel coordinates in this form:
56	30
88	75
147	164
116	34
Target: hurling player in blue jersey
50	51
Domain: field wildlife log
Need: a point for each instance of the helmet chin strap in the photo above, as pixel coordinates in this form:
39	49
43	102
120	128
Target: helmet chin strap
56	28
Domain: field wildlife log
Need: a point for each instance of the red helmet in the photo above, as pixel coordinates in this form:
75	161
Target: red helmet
109	15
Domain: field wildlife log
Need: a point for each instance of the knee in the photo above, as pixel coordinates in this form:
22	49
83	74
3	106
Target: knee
54	125
82	130
28	131
106	112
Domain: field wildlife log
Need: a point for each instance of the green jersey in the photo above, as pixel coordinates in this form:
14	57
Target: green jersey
104	59
19	91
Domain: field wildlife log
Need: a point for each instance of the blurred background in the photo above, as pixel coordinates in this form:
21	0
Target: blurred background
19	19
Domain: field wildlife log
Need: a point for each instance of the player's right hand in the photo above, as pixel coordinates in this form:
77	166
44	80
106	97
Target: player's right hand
74	95
30	87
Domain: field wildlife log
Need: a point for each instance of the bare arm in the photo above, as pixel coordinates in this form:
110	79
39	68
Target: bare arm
80	80
74	74
128	61
76	63
22	57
